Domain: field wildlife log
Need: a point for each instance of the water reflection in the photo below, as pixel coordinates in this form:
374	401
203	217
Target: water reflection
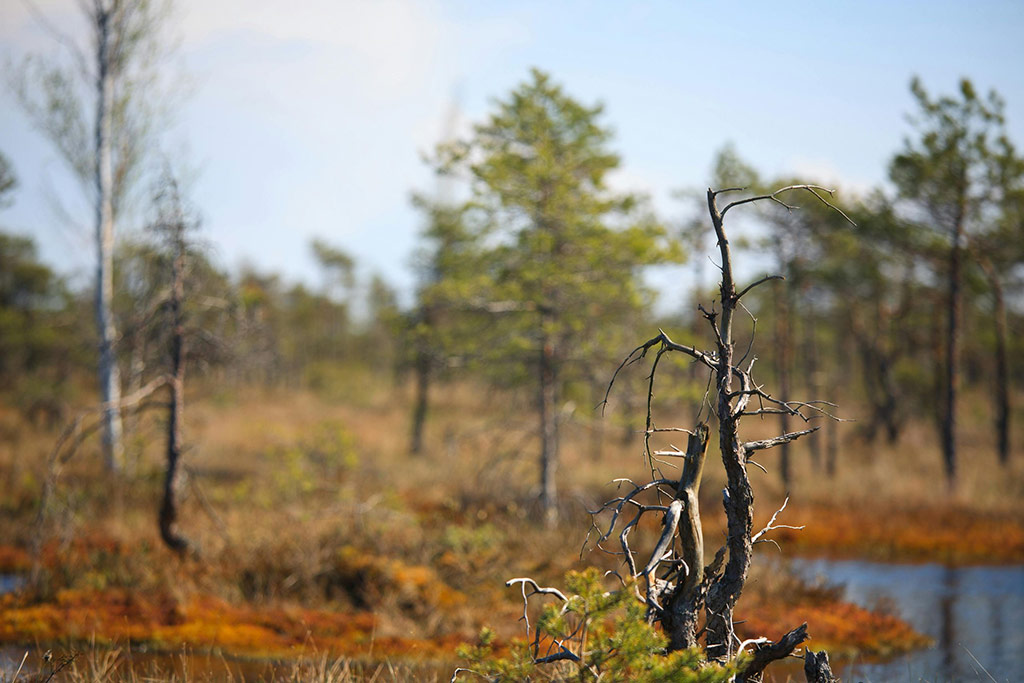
975	615
10	583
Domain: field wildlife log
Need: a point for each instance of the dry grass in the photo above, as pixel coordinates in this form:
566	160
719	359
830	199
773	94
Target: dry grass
314	522
96	664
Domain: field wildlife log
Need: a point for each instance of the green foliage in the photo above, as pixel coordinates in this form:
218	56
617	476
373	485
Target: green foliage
552	238
952	170
320	458
607	631
8	181
36	315
536	279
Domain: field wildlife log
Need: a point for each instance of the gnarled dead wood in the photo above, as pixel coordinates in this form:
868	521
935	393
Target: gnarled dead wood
766	652
817	669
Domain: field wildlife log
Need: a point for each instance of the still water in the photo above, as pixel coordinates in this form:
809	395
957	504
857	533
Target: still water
10	582
974	614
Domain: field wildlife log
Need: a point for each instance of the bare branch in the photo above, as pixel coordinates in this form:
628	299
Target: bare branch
766	278
813	190
535	588
751	446
675	510
560	656
774	197
461	670
771	525
616	504
715	193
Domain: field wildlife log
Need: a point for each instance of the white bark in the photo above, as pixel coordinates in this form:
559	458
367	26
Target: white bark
109	376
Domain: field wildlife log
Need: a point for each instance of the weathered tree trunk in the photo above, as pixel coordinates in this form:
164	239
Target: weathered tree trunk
547	406
739	498
175	421
684	606
109	377
816	667
952	360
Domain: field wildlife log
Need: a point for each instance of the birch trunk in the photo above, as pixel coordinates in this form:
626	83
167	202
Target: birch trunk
109	377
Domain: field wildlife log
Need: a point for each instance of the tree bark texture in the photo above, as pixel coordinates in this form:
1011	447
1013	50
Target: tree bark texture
816	667
109	377
739	497
766	653
684	605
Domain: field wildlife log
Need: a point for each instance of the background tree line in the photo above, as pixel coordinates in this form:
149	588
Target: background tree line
532	283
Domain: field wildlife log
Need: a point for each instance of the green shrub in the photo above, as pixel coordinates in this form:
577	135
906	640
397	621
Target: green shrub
594	634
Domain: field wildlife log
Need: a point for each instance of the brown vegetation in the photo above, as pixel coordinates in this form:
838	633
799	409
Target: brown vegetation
317	528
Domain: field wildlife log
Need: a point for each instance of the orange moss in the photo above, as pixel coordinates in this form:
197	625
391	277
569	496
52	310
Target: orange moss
948	534
203	623
13	559
834	625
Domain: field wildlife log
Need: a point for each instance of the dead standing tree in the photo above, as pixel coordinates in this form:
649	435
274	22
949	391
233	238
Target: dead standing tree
173	224
674	583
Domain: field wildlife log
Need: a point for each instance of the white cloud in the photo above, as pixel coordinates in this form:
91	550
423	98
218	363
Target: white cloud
382	49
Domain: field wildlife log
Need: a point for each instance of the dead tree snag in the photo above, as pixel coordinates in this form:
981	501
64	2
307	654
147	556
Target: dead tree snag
672	580
173	224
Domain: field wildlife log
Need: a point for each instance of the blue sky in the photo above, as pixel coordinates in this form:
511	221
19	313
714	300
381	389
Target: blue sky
309	118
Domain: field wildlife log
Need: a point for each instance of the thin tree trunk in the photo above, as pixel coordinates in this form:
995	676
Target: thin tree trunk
832	426
1002	379
419	412
952	360
547	406
175	422
782	345
597	421
1002	369
814	388
109	377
